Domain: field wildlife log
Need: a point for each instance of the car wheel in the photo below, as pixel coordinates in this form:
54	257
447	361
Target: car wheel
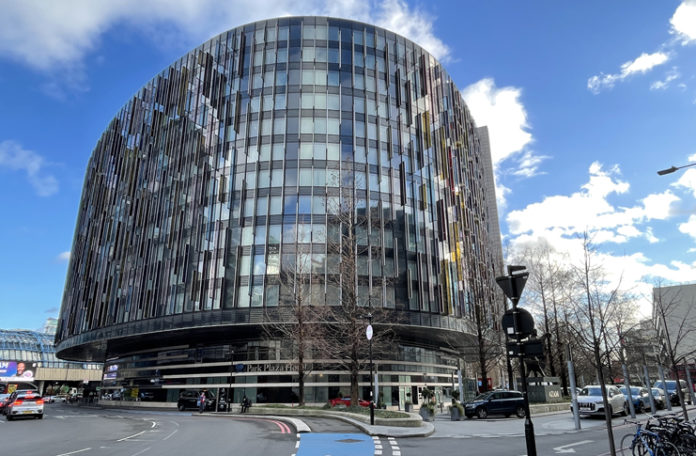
482	413
469	417
8	417
507	415
40	417
639	408
520	412
626	410
181	407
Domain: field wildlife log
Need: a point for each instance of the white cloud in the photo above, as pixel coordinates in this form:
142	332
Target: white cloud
502	111
63	256
44	35
671	75
657	205
562	217
16	158
684	21
689	227
642	64
528	165
687	180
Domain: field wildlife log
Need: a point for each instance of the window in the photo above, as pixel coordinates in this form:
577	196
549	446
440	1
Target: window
259	265
274	232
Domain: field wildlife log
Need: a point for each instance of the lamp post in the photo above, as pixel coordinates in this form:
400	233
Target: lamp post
368	333
672	169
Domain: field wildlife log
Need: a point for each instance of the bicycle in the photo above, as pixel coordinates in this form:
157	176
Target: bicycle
646	443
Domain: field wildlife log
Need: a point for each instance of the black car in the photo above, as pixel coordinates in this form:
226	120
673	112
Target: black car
496	403
189	400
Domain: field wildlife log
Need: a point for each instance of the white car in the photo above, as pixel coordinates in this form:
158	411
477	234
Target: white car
25	404
590	401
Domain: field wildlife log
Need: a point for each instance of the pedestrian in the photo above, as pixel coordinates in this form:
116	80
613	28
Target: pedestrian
201	402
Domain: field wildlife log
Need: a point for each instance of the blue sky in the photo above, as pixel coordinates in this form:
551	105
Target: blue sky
585	101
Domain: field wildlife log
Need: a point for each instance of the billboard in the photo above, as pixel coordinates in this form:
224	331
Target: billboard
12	371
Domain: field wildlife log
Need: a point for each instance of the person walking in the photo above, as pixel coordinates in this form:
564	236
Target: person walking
201	402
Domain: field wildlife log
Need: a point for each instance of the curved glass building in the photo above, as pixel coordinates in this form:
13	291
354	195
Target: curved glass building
223	170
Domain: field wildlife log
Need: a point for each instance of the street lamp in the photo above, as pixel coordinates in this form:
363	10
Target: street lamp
672	169
368	333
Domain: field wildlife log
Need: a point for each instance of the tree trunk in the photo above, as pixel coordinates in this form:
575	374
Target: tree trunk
301	379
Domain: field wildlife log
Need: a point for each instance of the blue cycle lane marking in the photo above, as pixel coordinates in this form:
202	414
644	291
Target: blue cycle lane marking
335	445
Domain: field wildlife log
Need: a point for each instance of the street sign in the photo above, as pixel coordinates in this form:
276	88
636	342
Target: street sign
528	349
512	285
525	322
368	332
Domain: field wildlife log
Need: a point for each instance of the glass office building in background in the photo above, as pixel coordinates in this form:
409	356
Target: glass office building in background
225	167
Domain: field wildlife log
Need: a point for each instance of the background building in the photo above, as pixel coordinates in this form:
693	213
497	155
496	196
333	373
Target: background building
226	171
674	317
30	357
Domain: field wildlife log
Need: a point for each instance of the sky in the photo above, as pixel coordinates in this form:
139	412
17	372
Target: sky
584	101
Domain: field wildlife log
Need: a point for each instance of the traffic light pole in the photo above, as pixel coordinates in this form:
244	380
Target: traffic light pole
528	425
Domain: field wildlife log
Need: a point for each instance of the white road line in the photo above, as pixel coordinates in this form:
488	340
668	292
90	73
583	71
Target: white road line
174	432
154	423
130	436
140	452
73	452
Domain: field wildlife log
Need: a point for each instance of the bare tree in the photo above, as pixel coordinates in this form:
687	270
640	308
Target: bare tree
297	323
675	327
357	290
593	308
547	286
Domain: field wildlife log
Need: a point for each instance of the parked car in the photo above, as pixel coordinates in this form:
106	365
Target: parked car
659	397
189	399
346	401
24	404
496	403
640	397
671	390
590	401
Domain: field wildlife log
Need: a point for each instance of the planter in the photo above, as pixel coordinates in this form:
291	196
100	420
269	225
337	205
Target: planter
408	407
426	414
454	414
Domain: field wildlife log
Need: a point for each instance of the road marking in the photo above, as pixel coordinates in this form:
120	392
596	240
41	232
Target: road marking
130	436
73	452
140	452
567	448
174	432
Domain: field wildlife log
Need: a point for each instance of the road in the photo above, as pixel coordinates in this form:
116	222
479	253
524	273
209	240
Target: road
68	430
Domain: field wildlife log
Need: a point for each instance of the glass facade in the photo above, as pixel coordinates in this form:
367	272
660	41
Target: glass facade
34	348
223	171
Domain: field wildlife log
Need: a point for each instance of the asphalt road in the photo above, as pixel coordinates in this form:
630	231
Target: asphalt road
68	430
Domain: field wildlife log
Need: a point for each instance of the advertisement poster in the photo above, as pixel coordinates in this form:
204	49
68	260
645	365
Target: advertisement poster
17	371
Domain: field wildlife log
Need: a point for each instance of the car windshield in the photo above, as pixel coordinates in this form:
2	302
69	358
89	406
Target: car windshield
482	397
671	385
635	391
592	391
